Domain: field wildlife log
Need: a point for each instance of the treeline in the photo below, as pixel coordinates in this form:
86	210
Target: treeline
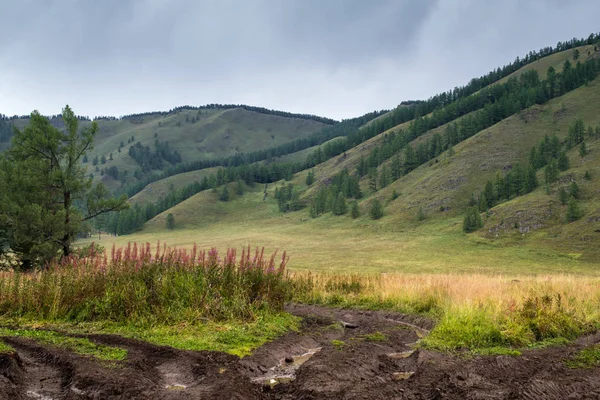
495	102
491	106
551	155
508	99
454	103
324	135
6	129
154	159
260	110
332	198
130	220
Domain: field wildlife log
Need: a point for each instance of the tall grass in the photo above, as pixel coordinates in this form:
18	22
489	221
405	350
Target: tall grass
137	284
471	311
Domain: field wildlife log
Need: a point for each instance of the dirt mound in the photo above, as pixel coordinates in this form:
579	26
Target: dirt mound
337	354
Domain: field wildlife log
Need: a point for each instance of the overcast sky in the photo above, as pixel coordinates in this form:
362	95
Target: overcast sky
335	58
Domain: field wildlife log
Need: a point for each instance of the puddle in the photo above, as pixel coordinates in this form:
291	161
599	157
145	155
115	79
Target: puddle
285	371
35	395
401	376
402	354
176	386
421	333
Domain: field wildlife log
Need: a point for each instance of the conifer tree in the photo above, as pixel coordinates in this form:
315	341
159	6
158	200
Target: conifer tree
224	194
354	210
170	224
472	220
563	196
376	209
574	211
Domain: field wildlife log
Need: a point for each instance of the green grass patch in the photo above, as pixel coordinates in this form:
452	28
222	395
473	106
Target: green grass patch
4	348
77	345
586	358
234	337
375	337
338	344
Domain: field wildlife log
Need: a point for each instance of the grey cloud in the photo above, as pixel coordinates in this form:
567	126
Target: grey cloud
338	58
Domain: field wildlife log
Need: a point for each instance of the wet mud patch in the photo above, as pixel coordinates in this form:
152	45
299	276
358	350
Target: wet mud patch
336	354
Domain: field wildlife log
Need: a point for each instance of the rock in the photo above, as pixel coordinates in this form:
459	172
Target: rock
349	325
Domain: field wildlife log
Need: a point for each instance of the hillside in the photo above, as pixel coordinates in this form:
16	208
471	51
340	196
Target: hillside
203	134
441	188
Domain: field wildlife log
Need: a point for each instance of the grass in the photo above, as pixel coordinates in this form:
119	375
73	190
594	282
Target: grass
4	348
194	300
338	344
481	313
234	337
136	284
586	358
375	337
81	346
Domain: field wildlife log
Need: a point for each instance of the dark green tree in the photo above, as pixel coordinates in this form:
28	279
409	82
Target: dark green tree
421	214
310	178
340	207
583	150
224	196
44	180
170	224
574	190
373	179
551	173
563	196
354	210
376	209
587	176
472	220
563	161
574	211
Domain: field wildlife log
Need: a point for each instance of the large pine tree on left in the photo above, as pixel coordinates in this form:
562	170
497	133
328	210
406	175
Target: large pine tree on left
45	195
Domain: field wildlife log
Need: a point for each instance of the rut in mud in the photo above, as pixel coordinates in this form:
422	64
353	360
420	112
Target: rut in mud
338	354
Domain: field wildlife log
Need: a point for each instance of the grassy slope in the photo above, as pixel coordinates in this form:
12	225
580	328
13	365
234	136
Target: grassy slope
217	133
398	241
156	190
159	189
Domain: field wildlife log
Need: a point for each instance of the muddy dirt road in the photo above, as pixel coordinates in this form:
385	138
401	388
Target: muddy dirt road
338	354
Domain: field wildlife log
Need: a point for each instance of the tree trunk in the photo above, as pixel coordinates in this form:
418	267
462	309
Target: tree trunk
66	241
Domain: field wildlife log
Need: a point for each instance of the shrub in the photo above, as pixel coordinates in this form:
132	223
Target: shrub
134	285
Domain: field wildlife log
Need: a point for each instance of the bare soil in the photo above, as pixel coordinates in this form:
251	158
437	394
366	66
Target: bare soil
338	354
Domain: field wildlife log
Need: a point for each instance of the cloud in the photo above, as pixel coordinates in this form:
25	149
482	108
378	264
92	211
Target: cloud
337	58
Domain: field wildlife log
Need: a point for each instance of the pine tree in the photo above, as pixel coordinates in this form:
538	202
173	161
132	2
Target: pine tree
563	196
170	224
551	173
354	210
574	190
563	161
340	207
421	214
583	150
472	220
224	194
376	210
394	195
574	211
587	176
239	189
373	179
310	178
42	182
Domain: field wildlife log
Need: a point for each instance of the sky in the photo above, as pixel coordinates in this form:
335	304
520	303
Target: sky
333	58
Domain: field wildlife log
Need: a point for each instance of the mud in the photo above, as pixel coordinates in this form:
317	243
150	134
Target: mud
337	354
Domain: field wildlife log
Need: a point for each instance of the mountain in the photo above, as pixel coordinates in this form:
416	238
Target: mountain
495	123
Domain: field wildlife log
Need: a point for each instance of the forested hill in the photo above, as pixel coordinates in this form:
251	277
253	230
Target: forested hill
131	148
517	139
